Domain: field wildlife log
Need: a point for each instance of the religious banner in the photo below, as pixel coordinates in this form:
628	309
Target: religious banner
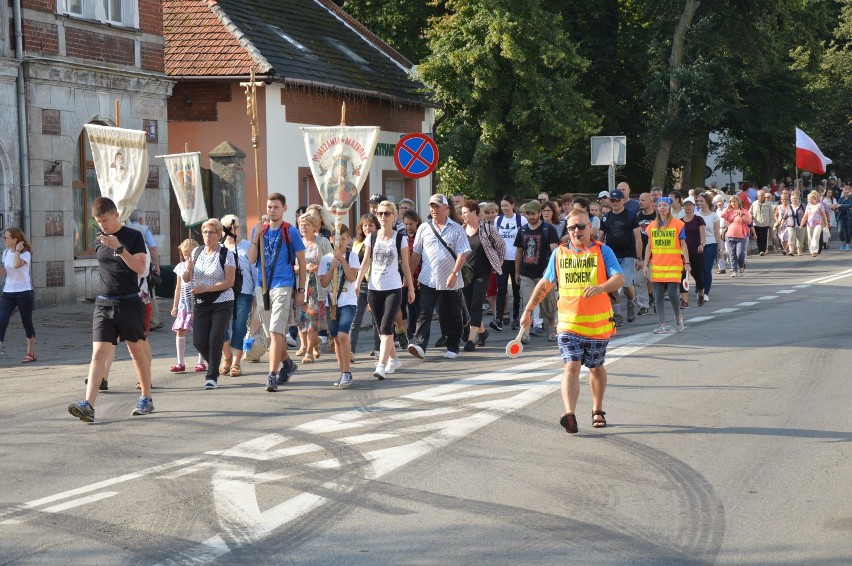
185	174
121	164
340	158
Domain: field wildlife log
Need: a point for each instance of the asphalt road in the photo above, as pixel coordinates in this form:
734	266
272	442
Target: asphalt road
729	443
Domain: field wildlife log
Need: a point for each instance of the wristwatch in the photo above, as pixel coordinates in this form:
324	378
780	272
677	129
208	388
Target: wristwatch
119	250
300	290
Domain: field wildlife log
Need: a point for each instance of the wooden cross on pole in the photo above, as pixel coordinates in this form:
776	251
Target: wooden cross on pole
251	110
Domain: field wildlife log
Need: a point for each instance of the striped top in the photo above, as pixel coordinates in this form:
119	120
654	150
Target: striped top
438	263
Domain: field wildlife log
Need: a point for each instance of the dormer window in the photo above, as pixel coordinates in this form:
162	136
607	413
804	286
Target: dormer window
114	12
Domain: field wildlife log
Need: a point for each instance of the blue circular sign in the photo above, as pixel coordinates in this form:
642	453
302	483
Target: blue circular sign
416	155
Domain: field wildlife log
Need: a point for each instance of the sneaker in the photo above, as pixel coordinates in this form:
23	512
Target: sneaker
525	339
144	406
450	355
210	384
83	411
480	340
706	298
402	338
741	274
380	372
701	300
469	346
643	311
679	326
392	365
734	274
416	351
345	380
662	329
761	253
505	321
537	331
441	342
291	342
323	339
619	320
288	368
684	304
272	382
495	324
516	324
720	271
631	311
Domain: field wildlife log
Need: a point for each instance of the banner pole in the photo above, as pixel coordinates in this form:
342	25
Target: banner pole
117	113
251	110
335	280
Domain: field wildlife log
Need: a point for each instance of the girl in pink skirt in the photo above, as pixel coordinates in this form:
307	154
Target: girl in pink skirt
182	309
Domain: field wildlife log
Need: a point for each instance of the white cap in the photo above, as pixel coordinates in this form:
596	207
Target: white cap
689	200
603	194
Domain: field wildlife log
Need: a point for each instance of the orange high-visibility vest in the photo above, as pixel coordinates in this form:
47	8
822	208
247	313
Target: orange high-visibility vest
666	253
586	316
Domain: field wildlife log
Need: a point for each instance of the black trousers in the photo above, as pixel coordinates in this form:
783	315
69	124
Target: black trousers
209	323
503	290
449	316
762	232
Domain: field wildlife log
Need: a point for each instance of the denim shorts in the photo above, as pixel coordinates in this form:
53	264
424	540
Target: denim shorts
628	265
343	322
575	348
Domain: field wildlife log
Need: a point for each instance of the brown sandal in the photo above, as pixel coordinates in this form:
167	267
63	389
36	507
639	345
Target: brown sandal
569	423
236	371
598	423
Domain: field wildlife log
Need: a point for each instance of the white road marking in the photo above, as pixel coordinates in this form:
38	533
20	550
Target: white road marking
747	304
829	278
725	311
767	297
786	291
78	502
700	319
800	286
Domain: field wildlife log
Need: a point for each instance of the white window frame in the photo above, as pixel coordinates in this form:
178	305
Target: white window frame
99	10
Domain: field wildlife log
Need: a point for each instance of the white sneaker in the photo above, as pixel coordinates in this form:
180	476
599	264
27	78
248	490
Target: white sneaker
210	384
392	365
324	340
416	351
451	355
380	371
291	341
706	298
679	326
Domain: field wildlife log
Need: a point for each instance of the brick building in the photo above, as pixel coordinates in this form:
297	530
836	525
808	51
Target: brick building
312	57
77	58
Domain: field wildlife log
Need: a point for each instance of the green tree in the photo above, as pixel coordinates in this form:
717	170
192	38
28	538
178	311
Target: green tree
507	77
402	24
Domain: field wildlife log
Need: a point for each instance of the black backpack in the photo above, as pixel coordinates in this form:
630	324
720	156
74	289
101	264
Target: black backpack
223	257
399	236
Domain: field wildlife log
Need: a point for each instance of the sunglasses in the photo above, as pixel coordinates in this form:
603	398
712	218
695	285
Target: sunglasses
615	200
577	227
383	213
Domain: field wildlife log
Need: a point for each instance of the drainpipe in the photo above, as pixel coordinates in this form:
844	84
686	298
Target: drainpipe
23	141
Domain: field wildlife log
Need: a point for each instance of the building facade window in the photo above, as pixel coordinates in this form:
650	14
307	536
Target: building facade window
123	13
86	190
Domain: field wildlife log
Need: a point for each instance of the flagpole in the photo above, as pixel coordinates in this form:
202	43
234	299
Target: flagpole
334	277
251	110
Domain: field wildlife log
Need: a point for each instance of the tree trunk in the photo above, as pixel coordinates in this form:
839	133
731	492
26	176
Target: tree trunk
661	161
699	160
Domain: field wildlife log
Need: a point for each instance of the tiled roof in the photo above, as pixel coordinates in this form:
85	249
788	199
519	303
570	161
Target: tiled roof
198	44
300	41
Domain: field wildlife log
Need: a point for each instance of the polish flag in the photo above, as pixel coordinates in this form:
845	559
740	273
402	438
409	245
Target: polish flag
808	155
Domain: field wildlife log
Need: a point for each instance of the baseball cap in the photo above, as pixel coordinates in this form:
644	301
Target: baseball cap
531	206
603	194
438	198
377	198
228	218
616	194
689	200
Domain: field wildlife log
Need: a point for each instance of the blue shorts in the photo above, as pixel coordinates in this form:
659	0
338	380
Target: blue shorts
343	322
628	265
576	348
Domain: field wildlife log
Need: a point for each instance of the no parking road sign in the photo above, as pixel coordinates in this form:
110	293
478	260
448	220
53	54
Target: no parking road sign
416	155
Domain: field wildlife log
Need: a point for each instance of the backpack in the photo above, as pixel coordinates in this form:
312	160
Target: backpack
399	236
223	257
517	220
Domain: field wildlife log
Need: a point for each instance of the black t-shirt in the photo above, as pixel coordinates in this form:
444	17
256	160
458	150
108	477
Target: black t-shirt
643	220
117	279
534	247
618	228
476	259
